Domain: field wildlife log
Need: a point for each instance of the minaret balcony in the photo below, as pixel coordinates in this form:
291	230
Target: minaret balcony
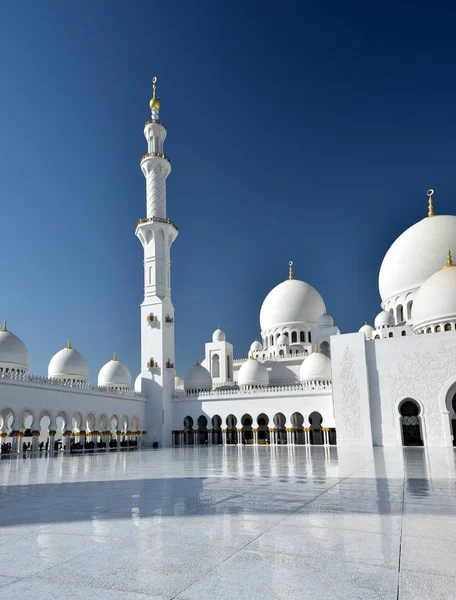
154	122
154	154
158	220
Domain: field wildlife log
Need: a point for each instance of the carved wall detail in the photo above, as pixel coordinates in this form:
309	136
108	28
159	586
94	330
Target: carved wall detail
420	376
350	398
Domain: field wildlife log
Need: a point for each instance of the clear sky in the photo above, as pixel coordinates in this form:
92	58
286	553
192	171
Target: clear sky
304	131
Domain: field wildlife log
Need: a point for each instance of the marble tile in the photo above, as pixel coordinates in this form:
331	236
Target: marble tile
428	555
415	585
25	556
4	580
260	575
231	522
159	564
337	544
42	590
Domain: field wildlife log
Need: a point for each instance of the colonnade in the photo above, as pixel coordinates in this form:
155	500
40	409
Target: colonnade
291	436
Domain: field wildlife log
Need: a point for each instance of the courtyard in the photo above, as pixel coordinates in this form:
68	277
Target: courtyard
228	523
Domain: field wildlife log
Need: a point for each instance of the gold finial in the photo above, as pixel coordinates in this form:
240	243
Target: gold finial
316	348
4	326
69	344
290	270
430	203
114	356
449	261
155	101
197	362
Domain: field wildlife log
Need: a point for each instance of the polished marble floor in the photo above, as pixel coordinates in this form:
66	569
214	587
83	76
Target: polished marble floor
230	524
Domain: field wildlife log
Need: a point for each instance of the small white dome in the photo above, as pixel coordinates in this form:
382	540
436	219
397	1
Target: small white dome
317	366
68	363
138	384
256	346
13	353
219	336
197	379
114	374
367	330
435	301
325	320
383	319
291	302
282	340
253	373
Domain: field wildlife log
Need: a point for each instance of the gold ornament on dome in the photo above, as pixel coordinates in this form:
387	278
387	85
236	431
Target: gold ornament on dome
430	203
290	270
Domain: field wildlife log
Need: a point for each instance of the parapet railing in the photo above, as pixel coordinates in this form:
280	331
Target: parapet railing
308	387
77	385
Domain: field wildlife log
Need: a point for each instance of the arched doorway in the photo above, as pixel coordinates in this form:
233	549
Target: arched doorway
410	423
188	431
316	432
263	429
297	420
247	431
279	422
231	432
217	429
202	430
453	419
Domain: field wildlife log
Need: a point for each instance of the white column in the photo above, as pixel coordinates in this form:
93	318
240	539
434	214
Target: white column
209	437
224	437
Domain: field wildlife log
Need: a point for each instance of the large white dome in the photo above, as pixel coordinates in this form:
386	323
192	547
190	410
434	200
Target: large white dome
316	367
290	302
253	373
13	353
114	374
416	255
68	363
435	301
197	379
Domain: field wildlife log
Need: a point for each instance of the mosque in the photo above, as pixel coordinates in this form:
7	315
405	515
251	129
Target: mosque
304	382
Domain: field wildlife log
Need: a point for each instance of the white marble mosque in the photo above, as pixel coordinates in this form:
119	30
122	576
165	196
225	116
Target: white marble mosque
302	382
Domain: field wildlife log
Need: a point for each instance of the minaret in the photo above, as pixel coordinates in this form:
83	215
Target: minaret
157	233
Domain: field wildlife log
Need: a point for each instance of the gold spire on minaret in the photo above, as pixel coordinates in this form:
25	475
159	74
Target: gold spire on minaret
4	325
290	270
69	344
155	100
430	203
114	356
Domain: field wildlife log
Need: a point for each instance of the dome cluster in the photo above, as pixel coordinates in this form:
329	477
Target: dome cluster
67	365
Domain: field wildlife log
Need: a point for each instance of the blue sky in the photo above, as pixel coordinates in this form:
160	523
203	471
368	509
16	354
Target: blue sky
296	131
